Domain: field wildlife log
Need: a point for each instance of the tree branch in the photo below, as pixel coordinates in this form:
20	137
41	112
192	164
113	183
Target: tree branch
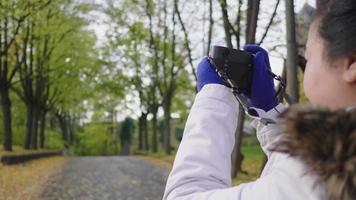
186	39
270	23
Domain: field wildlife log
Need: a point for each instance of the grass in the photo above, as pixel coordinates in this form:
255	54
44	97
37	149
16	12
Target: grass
26	181
251	164
19	150
250	140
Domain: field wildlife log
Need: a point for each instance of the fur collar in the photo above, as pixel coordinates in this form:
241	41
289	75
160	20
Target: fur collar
326	142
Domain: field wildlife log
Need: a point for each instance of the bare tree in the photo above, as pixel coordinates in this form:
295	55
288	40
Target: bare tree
153	101
252	16
186	38
227	24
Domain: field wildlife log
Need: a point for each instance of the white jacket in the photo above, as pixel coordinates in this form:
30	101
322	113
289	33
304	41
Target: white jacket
202	167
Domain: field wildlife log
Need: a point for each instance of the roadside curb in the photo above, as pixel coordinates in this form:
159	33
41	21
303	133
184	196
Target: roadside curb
15	159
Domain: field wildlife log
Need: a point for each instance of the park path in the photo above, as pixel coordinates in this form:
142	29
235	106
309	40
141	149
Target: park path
106	178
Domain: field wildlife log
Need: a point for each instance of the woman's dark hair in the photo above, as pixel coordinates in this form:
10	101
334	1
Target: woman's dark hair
337	26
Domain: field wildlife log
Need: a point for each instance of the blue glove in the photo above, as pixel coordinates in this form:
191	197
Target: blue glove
262	92
206	74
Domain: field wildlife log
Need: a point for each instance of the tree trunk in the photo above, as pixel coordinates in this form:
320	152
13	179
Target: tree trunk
29	126
145	133
71	129
251	26
154	132
6	110
140	134
64	129
42	129
292	59
34	139
5	83
72	136
238	25
237	157
252	18
167	125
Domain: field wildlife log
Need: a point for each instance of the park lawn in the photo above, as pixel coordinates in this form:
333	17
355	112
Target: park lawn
19	150
26	181
252	163
159	158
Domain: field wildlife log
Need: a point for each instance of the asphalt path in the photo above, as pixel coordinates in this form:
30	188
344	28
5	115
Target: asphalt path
104	178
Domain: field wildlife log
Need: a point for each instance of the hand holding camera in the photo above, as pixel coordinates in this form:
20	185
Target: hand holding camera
247	72
206	74
263	94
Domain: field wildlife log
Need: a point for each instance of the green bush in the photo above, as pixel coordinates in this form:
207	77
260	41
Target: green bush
54	140
95	139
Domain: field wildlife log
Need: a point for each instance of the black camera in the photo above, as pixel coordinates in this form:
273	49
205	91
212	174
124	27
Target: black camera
234	66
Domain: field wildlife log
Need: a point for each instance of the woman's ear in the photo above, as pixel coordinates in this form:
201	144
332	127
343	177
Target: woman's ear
350	72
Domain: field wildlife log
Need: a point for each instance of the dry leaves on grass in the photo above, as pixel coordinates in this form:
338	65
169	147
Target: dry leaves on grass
26	181
165	161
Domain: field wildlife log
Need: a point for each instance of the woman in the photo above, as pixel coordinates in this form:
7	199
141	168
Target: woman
312	155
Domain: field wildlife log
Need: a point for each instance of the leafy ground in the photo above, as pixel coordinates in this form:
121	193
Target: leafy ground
26	181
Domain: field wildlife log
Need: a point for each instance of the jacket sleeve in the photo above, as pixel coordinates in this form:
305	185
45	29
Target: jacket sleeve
268	134
202	167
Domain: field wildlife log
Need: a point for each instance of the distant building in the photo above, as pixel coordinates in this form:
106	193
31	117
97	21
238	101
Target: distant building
307	13
303	20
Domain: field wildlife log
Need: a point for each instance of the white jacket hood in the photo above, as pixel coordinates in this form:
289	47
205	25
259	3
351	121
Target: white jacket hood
325	141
